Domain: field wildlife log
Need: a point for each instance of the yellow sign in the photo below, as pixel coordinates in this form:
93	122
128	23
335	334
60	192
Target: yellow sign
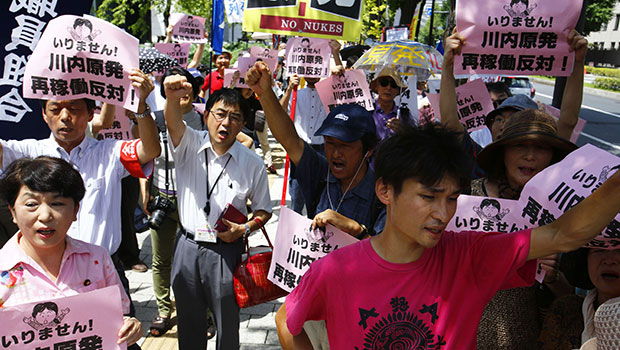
329	19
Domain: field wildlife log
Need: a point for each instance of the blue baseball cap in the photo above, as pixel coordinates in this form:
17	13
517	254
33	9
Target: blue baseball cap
517	102
347	123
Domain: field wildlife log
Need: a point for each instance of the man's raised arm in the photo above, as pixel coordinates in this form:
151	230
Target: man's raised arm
447	92
149	148
176	87
580	224
259	80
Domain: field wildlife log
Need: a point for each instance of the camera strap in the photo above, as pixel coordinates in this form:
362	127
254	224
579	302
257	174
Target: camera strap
207	208
164	139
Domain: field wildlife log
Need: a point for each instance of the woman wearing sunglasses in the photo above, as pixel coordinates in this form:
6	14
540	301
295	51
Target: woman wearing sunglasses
387	85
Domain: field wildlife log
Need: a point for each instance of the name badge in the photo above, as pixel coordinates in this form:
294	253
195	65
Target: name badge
207	234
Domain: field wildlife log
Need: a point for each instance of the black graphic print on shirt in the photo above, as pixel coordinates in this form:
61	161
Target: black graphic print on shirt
400	329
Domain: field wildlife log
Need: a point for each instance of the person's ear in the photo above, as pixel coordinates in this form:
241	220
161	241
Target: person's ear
12	210
384	192
75	211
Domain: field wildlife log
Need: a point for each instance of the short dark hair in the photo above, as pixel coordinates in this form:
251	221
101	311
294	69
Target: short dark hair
82	21
42	174
179	70
40	307
490	202
90	104
229	97
426	154
499	87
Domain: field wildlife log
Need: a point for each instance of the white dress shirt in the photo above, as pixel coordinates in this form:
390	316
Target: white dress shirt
243	178
309	115
99	163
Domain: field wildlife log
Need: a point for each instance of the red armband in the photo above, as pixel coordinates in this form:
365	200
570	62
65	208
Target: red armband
129	158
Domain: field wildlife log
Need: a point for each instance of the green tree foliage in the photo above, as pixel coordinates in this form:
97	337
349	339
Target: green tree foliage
373	18
598	12
132	15
439	23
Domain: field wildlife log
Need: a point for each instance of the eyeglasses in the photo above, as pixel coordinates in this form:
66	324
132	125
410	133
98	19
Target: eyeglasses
386	81
234	118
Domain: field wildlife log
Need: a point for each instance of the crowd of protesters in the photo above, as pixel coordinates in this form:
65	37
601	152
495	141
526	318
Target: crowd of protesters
375	175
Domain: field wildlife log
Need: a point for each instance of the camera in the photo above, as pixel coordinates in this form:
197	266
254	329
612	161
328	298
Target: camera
159	208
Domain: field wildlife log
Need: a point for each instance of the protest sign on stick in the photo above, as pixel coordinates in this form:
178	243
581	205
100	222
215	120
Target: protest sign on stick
516	37
351	87
473	104
188	28
297	246
308	57
83	57
88	320
178	51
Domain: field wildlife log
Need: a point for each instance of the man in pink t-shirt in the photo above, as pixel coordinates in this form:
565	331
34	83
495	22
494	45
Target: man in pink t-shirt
415	286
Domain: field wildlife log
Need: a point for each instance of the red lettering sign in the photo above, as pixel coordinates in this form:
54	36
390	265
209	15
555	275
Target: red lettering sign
302	25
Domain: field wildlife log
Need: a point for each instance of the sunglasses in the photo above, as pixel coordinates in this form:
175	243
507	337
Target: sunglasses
385	82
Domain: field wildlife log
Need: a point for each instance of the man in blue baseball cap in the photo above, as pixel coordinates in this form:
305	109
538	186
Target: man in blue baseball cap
339	187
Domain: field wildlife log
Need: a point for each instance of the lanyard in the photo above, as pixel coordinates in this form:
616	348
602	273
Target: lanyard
207	208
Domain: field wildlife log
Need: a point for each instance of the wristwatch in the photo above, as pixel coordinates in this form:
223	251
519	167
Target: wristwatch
247	230
146	113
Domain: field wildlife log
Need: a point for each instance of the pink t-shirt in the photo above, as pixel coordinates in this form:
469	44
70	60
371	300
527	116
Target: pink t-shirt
434	302
85	267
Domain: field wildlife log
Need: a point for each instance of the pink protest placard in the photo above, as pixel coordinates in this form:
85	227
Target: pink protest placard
85	321
231	74
426	113
188	28
308	57
473	104
555	113
270	56
297	246
120	129
178	51
516	37
351	87
484	214
547	196
561	186
83	57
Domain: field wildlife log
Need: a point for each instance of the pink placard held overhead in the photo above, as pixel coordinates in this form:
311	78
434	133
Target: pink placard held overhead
83	57
509	37
188	28
270	56
229	76
178	51
297	246
351	87
308	57
84	321
473	104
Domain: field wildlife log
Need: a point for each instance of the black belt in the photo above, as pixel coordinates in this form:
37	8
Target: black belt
191	236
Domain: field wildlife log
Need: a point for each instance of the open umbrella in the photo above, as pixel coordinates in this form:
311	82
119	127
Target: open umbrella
405	56
152	60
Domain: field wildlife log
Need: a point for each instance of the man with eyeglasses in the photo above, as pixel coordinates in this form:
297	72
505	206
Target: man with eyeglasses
212	170
387	85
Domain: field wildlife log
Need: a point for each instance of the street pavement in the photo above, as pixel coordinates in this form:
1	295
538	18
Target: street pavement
600	109
257	329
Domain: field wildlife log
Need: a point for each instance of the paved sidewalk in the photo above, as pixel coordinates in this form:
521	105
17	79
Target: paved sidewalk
257	329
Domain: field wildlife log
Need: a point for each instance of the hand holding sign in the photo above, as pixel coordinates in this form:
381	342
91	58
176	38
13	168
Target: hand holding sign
579	44
142	82
452	47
